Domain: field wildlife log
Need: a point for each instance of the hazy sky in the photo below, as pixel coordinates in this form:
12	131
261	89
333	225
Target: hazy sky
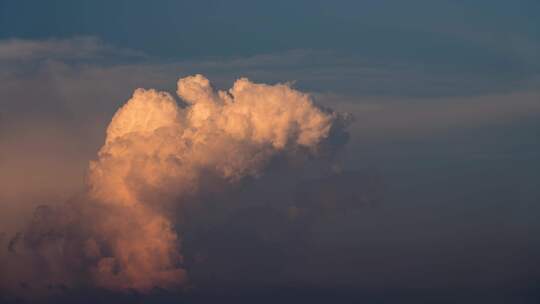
445	97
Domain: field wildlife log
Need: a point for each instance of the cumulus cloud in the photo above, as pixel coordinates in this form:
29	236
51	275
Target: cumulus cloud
157	157
155	153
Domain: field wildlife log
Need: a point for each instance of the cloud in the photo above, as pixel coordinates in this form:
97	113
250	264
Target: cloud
158	157
156	153
387	118
77	48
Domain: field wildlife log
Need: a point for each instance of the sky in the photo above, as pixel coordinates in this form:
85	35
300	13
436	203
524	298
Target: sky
411	174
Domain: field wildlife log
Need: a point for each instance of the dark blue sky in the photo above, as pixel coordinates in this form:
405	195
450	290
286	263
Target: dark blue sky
424	30
497	40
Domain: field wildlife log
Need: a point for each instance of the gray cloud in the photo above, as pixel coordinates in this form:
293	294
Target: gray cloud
78	48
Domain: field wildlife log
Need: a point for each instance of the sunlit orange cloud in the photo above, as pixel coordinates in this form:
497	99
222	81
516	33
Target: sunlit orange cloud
155	153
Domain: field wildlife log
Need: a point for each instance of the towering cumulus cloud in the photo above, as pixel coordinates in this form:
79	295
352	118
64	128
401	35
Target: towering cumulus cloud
157	155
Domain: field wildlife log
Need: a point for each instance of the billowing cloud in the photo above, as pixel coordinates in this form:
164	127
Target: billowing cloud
156	152
157	157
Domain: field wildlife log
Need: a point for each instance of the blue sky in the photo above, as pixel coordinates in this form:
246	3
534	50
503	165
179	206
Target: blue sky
179	29
493	43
